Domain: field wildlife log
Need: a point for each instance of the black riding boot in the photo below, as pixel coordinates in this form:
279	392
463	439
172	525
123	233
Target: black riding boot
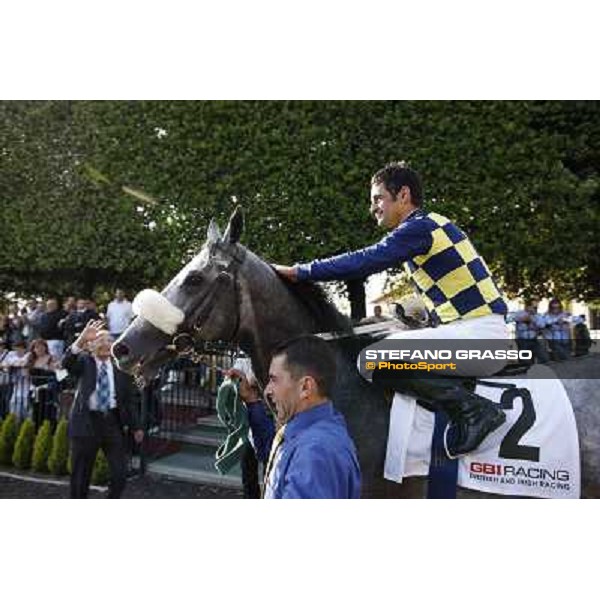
472	417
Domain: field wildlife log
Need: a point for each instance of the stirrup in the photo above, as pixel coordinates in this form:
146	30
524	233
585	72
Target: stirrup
448	454
456	456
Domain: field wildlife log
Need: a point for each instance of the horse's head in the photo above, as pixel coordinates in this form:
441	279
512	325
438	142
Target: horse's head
201	302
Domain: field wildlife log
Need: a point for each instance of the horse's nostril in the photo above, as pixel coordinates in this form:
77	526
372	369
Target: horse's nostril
120	350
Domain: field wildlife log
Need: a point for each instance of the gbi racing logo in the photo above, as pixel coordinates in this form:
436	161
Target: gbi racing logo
511	471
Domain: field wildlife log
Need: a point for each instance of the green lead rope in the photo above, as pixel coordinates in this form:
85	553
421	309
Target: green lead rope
233	414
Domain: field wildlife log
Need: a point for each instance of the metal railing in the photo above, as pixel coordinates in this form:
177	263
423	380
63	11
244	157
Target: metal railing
32	394
174	403
183	392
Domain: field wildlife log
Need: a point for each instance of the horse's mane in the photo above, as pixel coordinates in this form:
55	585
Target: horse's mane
315	300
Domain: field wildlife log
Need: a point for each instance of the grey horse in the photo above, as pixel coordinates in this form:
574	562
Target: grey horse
228	293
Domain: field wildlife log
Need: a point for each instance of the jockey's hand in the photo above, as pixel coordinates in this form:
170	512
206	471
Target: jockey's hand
248	394
290	273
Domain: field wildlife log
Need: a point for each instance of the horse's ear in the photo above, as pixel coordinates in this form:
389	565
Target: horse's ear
234	227
214	233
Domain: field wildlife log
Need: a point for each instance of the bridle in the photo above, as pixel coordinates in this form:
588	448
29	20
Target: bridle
185	339
185	342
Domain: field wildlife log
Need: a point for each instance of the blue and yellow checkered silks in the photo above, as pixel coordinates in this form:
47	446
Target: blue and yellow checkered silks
454	281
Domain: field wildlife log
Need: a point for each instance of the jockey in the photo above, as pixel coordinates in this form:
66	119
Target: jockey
453	281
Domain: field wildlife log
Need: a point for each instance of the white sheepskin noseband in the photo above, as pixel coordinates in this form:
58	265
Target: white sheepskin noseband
154	307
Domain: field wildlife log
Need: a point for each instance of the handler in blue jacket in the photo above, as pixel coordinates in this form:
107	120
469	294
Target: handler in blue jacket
311	455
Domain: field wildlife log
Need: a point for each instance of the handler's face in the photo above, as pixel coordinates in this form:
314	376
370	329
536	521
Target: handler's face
283	390
388	212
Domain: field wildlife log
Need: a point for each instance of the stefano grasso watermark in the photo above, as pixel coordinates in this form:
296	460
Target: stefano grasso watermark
401	357
435	360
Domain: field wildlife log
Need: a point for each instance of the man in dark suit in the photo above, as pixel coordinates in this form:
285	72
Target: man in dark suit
77	320
104	404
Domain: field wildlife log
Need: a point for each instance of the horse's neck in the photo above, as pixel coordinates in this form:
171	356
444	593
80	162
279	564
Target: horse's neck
269	314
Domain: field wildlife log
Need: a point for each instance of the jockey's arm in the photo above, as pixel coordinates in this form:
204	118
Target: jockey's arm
406	241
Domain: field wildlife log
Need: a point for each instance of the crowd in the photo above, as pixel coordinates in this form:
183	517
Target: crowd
554	335
59	325
33	340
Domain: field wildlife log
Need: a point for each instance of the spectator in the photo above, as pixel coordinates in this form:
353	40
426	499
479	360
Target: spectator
35	310
3	322
70	305
377	312
39	356
41	366
51	328
77	320
529	325
557	330
19	327
3	349
581	336
12	330
5	329
15	362
13	310
5	386
119	314
26	328
91	305
104	404
24	323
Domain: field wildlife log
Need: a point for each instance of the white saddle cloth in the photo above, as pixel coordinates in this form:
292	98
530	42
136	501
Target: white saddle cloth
554	431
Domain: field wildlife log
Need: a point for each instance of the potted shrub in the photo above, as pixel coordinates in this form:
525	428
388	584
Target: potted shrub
41	448
100	471
23	450
8	437
57	462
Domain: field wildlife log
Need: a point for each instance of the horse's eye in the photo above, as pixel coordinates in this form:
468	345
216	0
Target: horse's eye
195	278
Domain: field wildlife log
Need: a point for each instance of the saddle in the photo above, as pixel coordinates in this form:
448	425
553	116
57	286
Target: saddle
470	416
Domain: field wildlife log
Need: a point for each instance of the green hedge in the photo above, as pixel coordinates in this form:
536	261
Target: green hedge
42	448
57	462
100	472
8	437
23	450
